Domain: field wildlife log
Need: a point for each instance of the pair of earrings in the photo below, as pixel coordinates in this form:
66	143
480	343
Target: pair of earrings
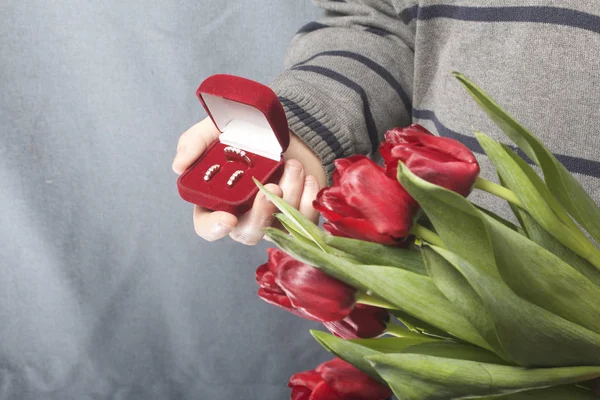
212	171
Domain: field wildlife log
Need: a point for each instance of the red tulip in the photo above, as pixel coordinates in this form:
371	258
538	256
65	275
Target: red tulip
303	289
364	203
336	380
364	322
439	160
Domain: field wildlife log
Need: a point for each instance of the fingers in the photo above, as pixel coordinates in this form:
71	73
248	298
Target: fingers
211	225
309	194
294	187
249	228
193	143
310	190
292	182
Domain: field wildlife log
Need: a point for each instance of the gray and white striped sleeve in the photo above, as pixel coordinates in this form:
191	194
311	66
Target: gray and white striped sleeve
348	78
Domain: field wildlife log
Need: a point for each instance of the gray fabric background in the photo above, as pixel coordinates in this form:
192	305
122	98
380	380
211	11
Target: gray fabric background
105	291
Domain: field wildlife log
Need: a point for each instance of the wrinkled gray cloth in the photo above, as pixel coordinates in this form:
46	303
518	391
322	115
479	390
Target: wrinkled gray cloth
105	291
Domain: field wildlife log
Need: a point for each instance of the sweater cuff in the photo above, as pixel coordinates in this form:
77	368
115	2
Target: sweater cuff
311	117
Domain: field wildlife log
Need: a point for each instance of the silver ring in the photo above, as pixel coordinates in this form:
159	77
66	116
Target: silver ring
234	154
236	176
212	171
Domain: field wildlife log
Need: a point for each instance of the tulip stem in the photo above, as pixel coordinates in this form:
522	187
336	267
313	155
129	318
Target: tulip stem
396	330
427	235
368	300
498	190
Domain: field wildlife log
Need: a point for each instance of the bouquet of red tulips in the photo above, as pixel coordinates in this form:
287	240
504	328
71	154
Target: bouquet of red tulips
429	296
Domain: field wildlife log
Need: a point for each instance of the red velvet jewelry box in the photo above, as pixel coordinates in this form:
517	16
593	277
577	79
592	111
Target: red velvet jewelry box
252	121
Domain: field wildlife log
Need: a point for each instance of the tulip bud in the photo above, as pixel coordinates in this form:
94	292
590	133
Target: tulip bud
364	203
439	160
303	289
336	380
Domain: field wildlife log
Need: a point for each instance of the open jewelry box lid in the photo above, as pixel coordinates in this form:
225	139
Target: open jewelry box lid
247	113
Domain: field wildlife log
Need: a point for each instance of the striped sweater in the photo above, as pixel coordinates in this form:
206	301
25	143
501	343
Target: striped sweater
370	65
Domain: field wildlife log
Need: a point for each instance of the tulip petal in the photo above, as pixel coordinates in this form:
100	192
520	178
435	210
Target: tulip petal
352	383
381	200
439	160
300	393
282	301
303	289
331	203
450	147
266	280
406	135
363	322
307	379
314	292
261	271
279	300
363	230
342	164
325	392
364	203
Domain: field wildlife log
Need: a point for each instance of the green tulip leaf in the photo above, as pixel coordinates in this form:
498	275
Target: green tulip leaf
567	392
530	335
539	276
498	218
519	177
456	220
289	225
539	235
354	351
559	180
426	377
458	351
516	212
357	351
419	327
412	293
295	219
456	288
377	254
533	272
